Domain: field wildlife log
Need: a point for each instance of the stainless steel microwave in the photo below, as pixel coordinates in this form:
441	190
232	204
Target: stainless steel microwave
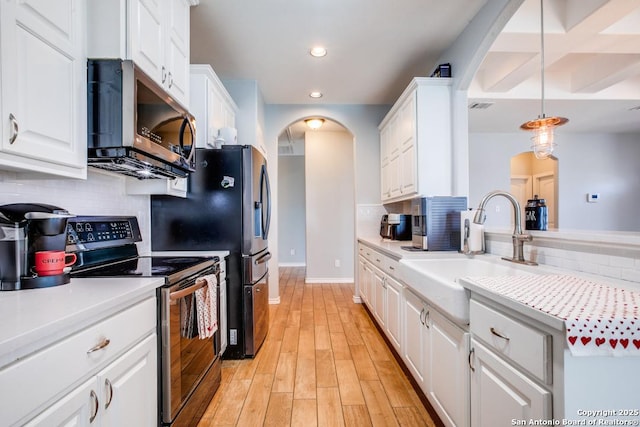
134	126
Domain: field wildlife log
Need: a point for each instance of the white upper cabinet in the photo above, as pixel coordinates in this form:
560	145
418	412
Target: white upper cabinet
210	104
415	142
153	33
43	87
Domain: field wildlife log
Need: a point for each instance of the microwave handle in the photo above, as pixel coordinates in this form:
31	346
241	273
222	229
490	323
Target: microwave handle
186	122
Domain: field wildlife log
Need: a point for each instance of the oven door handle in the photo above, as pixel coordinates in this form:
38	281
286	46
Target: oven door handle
264	258
187	291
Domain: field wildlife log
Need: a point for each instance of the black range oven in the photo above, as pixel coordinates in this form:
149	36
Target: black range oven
189	367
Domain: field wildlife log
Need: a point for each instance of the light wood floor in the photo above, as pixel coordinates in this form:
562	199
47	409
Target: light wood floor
323	364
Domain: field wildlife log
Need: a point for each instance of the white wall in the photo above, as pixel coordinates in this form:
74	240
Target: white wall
100	194
599	163
291	208
330	205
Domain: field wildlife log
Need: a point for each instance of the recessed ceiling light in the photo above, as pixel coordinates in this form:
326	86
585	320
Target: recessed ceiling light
315	94
318	51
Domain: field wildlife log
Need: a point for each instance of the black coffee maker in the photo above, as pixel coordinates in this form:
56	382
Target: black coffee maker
27	228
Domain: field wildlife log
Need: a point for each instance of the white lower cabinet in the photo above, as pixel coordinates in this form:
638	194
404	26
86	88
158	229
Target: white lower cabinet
101	375
450	375
379	296
510	364
501	393
436	352
393	307
417	339
124	393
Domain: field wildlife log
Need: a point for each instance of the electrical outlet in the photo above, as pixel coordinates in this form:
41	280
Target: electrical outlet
497	208
233	336
293	251
337	263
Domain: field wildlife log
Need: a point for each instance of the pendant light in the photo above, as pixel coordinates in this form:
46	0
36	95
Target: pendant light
543	126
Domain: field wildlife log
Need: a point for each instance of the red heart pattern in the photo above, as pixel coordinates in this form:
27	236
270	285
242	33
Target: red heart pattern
602	317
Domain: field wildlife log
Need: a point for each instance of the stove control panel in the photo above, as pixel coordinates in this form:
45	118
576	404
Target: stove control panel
97	231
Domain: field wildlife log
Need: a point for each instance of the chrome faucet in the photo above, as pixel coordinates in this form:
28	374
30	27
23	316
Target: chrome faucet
518	236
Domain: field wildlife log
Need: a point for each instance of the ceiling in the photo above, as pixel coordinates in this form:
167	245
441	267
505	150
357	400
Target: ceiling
592	68
375	47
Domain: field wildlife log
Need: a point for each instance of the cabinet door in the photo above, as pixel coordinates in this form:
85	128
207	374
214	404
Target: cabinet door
407	146
449	353
394	308
177	50
146	38
500	393
416	338
77	408
129	387
379	299
43	82
362	275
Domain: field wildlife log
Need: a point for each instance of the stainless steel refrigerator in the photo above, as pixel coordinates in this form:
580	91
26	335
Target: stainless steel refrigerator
228	207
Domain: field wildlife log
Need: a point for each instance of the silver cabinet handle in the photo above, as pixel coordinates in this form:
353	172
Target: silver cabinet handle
164	74
109	389
427	316
102	344
391	268
96	406
14	128
498	334
421	314
170	80
471	354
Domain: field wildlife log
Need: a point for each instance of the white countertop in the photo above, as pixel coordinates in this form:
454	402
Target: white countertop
393	248
34	318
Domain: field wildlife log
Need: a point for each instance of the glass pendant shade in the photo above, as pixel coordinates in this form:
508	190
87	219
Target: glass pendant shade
543	134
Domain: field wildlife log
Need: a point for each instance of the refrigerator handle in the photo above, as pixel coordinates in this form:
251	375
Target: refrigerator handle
266	213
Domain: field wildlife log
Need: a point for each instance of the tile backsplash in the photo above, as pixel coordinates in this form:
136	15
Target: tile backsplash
618	261
100	194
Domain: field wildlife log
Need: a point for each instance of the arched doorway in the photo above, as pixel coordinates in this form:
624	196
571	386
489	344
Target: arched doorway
316	201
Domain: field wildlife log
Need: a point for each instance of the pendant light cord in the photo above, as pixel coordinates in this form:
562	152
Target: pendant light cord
542	58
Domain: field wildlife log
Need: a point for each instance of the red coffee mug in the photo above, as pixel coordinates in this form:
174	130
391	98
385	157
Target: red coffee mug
50	263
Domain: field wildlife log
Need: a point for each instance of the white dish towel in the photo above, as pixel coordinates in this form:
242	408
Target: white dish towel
206	307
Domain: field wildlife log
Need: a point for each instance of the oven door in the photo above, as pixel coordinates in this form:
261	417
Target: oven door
185	359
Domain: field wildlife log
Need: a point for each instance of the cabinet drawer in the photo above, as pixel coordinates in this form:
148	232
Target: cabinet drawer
390	266
521	343
41	377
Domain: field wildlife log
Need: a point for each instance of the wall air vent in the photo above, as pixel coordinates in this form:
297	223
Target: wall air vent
480	105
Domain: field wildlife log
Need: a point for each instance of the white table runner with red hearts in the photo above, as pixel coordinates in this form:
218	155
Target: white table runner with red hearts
600	319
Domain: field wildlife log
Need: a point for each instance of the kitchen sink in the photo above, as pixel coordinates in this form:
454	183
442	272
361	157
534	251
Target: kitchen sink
437	280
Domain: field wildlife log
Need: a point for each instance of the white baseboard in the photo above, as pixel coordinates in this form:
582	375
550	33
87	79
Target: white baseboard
328	280
292	264
274	300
